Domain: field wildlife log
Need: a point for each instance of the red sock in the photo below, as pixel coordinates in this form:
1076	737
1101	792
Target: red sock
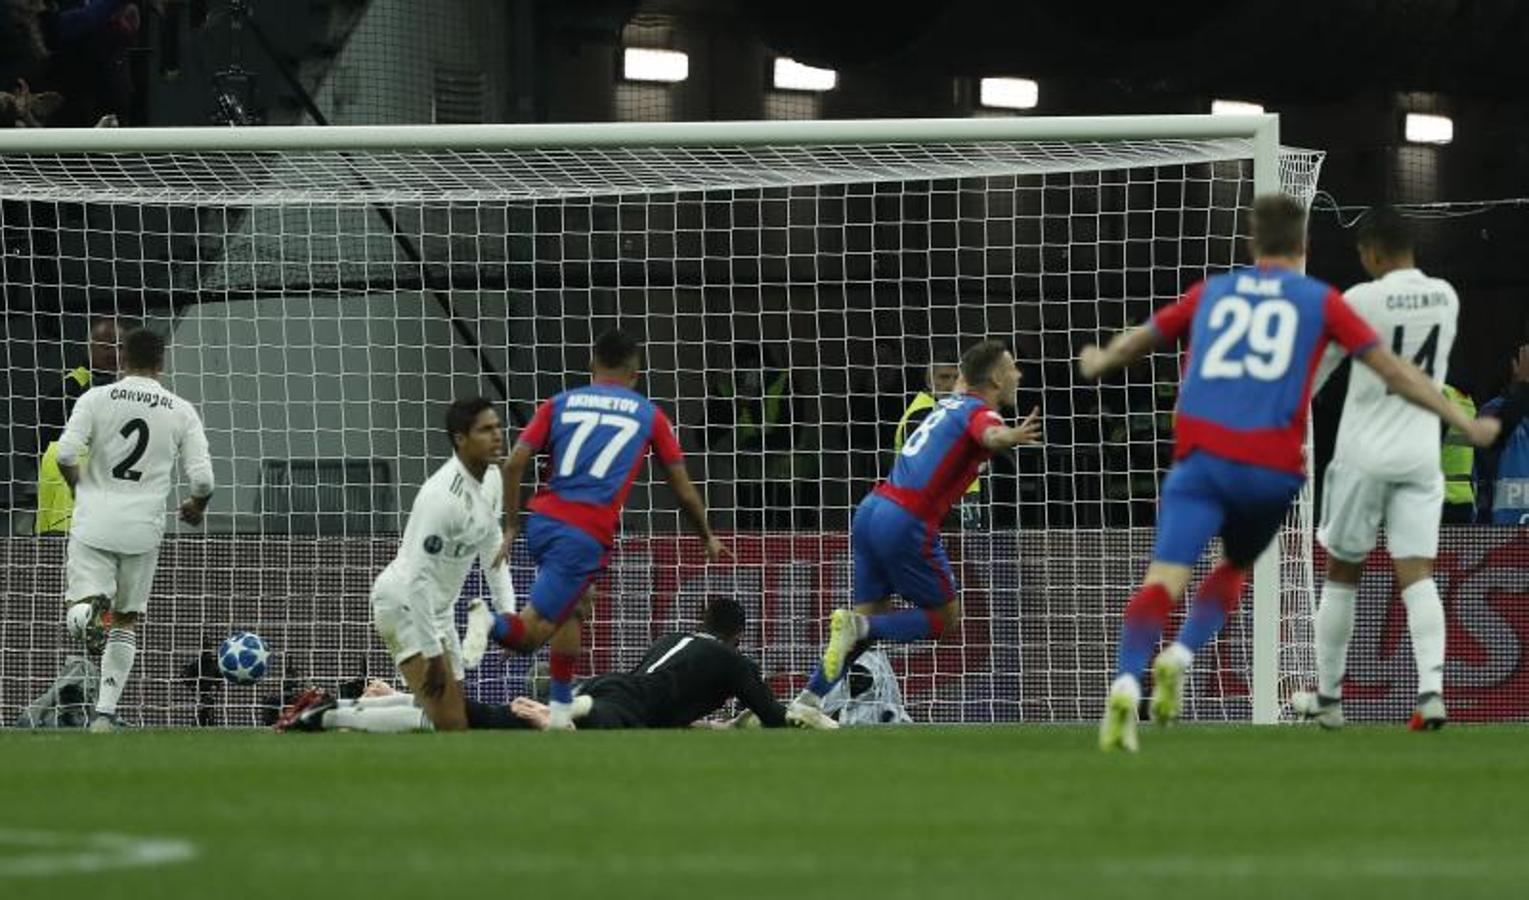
936	624
1224	585
561	672
513	634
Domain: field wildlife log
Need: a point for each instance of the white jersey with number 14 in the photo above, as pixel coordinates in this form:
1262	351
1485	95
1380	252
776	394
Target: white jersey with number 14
1381	433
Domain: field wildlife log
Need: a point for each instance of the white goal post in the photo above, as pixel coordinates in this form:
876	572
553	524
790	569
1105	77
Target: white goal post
328	288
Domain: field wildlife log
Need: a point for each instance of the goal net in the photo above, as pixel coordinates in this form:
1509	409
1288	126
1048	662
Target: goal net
327	292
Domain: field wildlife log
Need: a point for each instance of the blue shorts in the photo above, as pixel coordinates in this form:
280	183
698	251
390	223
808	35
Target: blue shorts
896	552
567	562
1206	495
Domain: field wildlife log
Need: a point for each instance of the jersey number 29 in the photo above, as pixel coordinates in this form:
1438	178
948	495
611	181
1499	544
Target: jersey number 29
1270	331
584	423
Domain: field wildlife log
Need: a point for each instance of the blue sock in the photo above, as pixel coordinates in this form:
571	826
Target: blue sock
1144	618
903	626
818	684
560	691
1206	616
499	629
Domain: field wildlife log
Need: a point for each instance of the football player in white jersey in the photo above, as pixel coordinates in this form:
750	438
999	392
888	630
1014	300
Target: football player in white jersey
1385	471
456	519
135	429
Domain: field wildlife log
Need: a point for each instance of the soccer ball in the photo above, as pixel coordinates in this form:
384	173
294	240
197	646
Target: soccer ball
242	658
82	625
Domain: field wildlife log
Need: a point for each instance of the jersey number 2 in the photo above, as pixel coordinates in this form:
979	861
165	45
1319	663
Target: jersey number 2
1270	330
124	470
584	423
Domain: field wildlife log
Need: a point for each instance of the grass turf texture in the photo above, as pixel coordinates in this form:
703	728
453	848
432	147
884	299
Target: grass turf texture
889	813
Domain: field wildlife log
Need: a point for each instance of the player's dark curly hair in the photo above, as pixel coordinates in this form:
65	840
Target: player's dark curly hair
615	349
1385	231
1278	226
461	415
978	361
723	618
143	349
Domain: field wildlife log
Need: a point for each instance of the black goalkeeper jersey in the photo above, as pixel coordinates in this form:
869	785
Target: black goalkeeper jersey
683	678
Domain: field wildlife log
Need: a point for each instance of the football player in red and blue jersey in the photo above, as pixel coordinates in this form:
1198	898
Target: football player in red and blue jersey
895	535
595	438
1256	336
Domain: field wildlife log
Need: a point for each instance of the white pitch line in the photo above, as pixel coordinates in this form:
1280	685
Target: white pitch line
66	853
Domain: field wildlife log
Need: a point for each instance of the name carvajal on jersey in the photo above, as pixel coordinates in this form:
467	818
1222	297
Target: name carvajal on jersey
152	399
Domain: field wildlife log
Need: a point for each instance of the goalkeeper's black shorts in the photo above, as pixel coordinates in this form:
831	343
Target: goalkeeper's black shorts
618	703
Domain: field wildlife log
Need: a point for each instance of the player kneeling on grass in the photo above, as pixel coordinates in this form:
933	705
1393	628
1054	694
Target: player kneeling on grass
1256	335
455	519
895	535
596	438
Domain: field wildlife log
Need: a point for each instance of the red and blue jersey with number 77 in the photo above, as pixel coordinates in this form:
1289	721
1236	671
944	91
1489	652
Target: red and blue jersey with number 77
1256	336
596	438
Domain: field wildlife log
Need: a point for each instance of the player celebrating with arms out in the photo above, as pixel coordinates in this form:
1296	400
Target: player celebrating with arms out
596	437
895	534
1256	336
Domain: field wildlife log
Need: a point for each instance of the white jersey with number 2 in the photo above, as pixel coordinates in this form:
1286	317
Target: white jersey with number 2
135	429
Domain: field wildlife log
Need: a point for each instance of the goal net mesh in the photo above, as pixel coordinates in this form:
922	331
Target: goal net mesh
323	307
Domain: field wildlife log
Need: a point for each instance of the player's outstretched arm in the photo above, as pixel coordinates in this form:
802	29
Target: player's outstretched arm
1095	362
694	509
1409	382
511	471
1026	432
196	463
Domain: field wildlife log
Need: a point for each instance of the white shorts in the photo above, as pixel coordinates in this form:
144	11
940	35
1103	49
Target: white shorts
1356	504
125	578
407	633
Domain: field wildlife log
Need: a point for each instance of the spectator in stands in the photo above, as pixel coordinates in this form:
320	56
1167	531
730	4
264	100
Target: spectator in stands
55	502
1502	470
752	411
66	63
1458	460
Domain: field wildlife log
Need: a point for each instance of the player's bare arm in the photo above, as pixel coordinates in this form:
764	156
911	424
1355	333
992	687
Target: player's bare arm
1095	362
694	509
1026	432
512	470
1408	381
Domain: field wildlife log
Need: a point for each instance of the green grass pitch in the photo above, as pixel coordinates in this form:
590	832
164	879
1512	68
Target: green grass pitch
877	813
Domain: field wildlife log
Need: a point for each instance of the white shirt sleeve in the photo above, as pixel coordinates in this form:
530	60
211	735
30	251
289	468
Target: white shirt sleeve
500	588
196	462
1332	357
77	430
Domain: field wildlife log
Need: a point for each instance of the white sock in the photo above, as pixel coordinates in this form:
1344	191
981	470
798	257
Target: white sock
378	720
382	702
1334	626
1128	685
559	715
116	664
808	698
1425	619
1180	654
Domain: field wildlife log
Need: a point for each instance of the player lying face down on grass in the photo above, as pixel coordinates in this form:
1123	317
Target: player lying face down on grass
895	537
1255	335
455	519
595	439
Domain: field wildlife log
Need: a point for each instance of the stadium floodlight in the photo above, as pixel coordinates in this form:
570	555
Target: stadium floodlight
1235	108
1009	93
1425	128
644	64
791	75
337	286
